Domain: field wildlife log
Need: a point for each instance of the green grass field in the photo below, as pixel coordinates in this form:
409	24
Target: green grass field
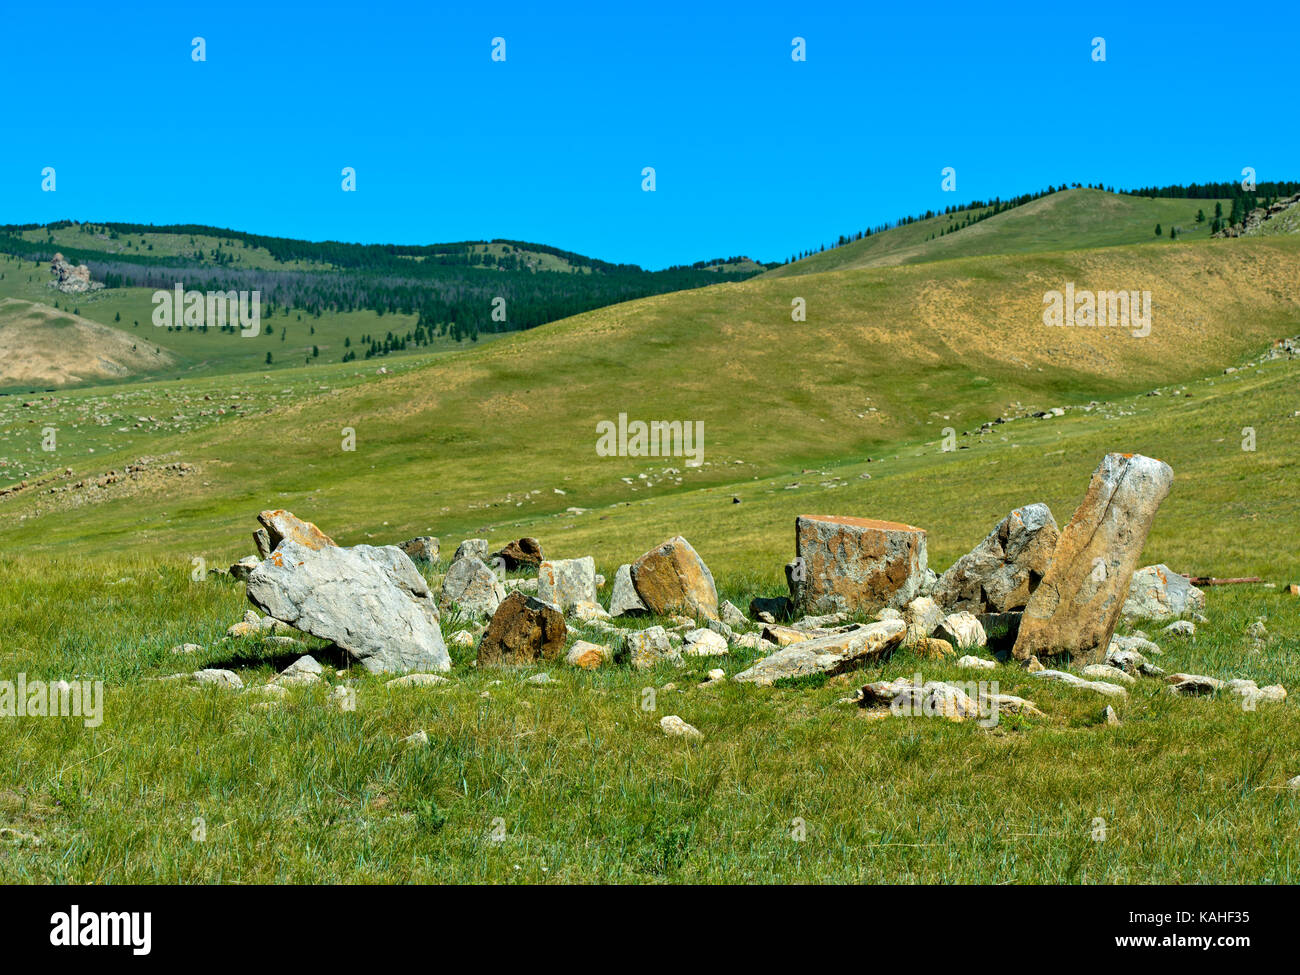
573	781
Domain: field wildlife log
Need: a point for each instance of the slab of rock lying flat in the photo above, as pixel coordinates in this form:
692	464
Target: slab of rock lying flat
519	553
567	582
422	548
1074	680
1000	573
1159	593
281	524
624	601
833	654
524	629
1074	610
370	601
471	586
855	564
673	578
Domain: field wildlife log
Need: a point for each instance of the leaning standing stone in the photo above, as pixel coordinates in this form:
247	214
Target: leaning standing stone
473	587
673	578
1074	610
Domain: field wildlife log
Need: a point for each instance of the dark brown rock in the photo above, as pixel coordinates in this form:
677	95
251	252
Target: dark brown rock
523	629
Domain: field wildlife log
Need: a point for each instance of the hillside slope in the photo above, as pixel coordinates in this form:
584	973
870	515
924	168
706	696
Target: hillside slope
44	346
886	355
1068	220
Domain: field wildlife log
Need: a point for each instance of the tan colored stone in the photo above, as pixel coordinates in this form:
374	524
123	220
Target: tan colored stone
1074	610
588	656
281	524
846	564
673	578
932	648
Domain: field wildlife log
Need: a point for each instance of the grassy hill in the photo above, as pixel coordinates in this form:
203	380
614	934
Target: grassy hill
887	356
1067	220
41	345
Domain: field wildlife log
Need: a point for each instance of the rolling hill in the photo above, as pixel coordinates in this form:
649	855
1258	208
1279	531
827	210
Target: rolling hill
44	346
1073	219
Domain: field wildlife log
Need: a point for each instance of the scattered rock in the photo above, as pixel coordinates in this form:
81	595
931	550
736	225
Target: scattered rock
188	648
1000	573
472	548
624	601
648	647
422	548
472	587
933	649
962	630
463	639
262	543
418	680
675	727
302	672
281	524
1074	680
227	679
1194	685
829	654
525	552
565	582
418	740
370	601
848	564
1254	694
540	679
1183	628
923	615
523	630
1110	716
1159	593
589	612
1073	611
969	662
729	613
1034	666
1108	673
673	577
588	656
704	643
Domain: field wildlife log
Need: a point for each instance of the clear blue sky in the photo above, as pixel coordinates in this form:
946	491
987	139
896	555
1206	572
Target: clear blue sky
754	153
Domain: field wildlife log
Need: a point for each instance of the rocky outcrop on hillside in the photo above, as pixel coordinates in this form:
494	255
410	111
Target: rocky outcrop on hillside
1285	210
71	280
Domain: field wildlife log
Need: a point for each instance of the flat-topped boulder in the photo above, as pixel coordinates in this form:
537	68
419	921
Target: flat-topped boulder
1074	610
846	564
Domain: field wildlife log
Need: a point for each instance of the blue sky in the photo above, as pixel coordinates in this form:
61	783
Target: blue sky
754	153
